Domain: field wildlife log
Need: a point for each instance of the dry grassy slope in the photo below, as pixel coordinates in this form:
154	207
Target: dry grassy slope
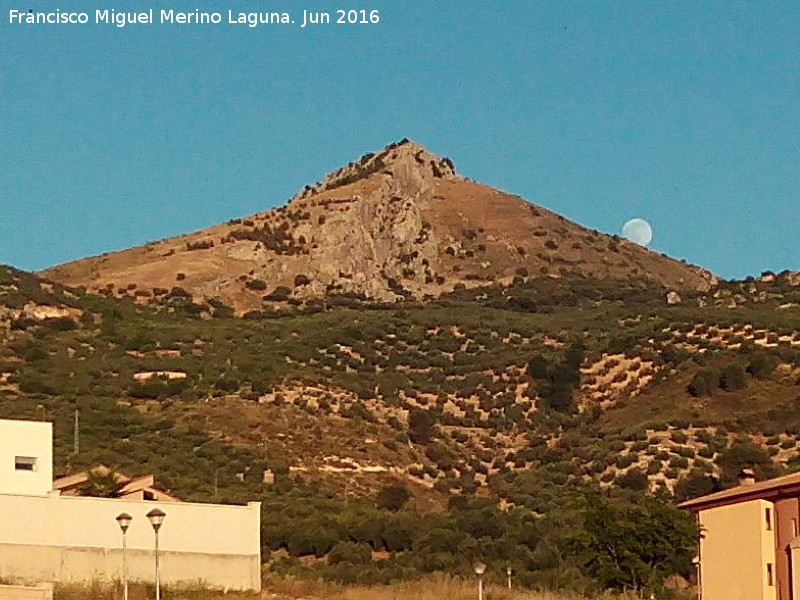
397	222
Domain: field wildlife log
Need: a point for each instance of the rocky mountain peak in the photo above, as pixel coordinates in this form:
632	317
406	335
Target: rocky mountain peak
395	224
406	163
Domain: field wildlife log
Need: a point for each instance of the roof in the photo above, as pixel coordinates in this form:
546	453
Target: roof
130	487
786	486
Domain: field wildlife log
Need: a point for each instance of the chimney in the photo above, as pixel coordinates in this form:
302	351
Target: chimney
747	477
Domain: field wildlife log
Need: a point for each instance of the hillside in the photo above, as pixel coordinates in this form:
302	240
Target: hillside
394	225
495	411
388	439
497	381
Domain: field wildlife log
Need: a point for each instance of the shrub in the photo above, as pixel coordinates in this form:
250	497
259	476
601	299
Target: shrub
421	426
201	245
732	378
350	552
279	294
633	479
255	285
654	467
695	484
301	280
392	497
762	365
679	437
703	383
678	462
625	460
743	453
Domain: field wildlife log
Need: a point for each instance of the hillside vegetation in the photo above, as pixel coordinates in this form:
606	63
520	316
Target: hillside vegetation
387	441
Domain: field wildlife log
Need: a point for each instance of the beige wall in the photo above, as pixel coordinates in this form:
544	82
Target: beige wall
735	548
794	559
43	591
787	521
67	538
26	438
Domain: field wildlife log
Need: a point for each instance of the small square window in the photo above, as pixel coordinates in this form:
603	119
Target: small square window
25	463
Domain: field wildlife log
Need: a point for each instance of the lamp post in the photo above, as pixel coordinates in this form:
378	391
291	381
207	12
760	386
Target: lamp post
508	575
156	518
124	521
480	569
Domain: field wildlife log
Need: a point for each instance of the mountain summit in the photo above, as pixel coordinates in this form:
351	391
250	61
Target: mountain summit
399	223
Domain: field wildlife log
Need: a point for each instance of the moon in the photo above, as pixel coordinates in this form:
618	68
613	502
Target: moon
638	231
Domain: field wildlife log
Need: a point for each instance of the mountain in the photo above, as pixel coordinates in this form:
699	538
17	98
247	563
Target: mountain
459	430
389	439
396	224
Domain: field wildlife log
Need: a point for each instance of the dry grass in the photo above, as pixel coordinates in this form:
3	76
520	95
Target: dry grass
435	588
440	588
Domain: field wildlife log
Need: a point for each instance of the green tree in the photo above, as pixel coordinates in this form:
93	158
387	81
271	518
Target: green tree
695	484
744	454
762	365
703	383
421	426
633	479
350	552
732	378
101	483
634	545
392	497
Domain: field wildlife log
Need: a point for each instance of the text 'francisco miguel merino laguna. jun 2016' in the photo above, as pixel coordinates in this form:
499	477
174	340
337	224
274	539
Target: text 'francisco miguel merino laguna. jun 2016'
301	18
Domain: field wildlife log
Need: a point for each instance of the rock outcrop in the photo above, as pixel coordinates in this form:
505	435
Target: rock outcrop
396	224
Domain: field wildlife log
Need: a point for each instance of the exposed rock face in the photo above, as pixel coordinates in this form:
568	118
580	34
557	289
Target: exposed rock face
399	223
410	167
35	312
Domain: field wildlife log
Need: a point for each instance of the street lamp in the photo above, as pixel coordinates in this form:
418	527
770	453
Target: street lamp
480	569
508	574
156	518
124	521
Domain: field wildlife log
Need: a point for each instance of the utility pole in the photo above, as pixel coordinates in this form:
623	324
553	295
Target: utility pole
76	433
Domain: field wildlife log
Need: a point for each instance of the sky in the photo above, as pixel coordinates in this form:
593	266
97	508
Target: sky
683	113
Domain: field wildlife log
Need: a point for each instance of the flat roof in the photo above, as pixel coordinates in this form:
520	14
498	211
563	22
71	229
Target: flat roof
786	486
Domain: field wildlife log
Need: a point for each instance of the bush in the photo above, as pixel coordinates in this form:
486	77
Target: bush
732	378
703	383
633	479
695	484
279	294
762	365
421	426
743	453
392	497
301	280
255	285
679	437
350	552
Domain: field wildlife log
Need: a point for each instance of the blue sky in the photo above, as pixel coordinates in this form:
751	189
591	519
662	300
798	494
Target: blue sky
686	114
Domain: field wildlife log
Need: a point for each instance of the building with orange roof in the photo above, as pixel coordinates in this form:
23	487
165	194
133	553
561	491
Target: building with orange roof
749	543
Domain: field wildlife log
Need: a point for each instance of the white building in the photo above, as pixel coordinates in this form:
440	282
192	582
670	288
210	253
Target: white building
26	458
50	537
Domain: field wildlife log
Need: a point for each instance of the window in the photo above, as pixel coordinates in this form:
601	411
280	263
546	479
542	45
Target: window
794	528
768	517
770	578
24	463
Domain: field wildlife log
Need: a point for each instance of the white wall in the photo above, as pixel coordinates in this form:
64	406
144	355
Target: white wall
70	538
26	438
